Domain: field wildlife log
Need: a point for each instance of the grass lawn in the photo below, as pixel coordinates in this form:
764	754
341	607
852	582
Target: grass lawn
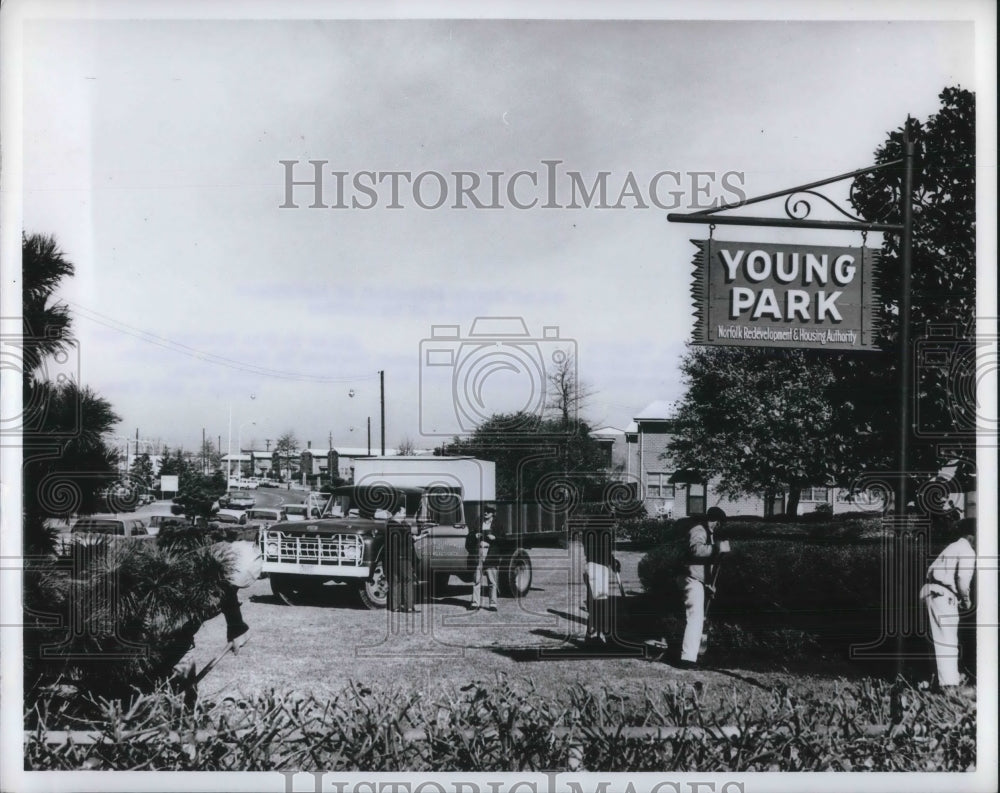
318	649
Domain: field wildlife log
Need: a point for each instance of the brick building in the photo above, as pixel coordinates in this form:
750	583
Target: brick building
671	492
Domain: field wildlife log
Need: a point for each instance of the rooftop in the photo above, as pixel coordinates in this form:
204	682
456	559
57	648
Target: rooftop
660	410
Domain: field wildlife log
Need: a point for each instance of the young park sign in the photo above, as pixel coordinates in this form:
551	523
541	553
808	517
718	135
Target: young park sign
754	294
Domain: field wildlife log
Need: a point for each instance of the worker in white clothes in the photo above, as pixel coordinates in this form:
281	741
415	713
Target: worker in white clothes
704	553
946	593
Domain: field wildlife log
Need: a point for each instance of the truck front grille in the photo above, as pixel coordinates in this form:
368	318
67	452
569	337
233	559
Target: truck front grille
335	549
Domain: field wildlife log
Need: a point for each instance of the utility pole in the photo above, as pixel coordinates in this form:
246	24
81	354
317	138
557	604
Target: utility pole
381	388
904	544
905	421
229	453
369	436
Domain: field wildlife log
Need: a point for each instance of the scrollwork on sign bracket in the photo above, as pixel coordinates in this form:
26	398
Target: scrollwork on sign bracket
891	201
799	209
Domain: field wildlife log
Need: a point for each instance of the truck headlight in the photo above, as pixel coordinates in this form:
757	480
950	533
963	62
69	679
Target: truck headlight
272	548
352	552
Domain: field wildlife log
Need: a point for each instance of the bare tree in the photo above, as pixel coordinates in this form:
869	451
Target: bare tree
287	447
406	447
567	395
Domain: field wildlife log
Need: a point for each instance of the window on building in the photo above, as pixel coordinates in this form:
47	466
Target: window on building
696	499
658	486
820	494
775	505
868	499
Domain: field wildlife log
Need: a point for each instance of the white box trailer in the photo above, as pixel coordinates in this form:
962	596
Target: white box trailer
476	478
527	523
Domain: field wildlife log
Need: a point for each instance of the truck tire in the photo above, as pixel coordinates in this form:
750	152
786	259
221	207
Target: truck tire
515	575
295	590
374	591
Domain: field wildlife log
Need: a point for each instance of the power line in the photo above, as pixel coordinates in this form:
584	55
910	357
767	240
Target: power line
207	357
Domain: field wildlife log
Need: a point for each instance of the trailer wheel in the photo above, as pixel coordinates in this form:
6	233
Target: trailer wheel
374	591
515	575
295	590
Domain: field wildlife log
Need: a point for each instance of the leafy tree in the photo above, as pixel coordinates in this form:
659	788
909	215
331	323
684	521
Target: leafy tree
200	492
175	464
141	471
943	293
760	420
210	457
538	460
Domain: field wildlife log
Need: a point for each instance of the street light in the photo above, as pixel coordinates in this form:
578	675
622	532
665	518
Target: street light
229	443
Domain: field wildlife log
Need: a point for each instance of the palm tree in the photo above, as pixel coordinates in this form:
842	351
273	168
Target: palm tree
46	324
66	459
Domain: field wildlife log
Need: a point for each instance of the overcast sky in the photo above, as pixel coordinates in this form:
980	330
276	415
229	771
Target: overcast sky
152	153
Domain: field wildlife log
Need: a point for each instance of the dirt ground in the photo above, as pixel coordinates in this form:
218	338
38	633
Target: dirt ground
319	648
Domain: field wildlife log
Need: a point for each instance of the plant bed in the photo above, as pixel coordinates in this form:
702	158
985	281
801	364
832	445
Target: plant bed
509	726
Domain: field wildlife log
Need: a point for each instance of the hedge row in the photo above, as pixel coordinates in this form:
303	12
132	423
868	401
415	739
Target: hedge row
511	727
849	527
782	598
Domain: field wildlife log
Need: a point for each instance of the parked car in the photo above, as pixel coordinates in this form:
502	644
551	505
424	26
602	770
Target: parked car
115	500
155	522
302	512
241	501
110	526
262	518
158	523
232	517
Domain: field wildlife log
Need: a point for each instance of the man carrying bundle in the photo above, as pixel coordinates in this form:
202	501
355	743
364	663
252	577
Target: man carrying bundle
243	561
703	554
